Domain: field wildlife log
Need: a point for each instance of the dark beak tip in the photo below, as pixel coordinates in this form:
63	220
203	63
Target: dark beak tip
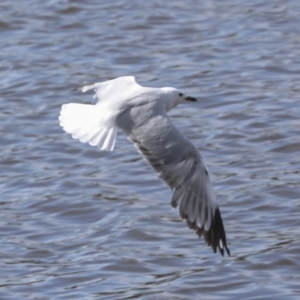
191	99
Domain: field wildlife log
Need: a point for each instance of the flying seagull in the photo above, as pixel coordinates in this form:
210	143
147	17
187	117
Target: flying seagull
141	113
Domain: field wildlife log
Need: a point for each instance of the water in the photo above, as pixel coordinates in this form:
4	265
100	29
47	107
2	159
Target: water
78	224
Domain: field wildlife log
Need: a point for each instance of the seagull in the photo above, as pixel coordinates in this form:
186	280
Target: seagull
141	113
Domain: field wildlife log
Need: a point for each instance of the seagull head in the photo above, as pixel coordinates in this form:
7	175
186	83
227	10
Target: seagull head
172	97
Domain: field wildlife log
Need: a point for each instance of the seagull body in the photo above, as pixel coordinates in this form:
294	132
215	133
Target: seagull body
141	113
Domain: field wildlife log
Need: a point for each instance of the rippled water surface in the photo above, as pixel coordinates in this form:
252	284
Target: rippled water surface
79	224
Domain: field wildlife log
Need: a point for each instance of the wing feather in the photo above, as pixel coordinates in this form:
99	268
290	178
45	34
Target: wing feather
179	164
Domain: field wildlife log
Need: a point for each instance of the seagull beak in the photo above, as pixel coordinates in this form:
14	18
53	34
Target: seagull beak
190	99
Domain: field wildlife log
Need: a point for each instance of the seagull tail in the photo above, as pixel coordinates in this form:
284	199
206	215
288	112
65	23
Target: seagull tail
86	123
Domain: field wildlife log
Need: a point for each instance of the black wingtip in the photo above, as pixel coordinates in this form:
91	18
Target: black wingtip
215	237
216	234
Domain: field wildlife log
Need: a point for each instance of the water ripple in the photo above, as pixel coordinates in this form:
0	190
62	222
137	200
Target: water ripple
79	224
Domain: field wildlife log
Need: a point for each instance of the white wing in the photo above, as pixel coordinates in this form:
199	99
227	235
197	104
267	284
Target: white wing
96	124
114	91
180	165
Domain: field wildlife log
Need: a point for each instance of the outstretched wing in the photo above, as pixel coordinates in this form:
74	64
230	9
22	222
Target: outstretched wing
179	164
114	90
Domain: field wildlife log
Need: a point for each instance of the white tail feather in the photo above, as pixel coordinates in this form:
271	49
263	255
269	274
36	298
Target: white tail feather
89	136
100	138
109	142
89	124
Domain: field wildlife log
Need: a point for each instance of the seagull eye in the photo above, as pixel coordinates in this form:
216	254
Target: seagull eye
180	94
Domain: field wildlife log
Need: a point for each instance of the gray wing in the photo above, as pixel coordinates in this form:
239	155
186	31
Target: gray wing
179	164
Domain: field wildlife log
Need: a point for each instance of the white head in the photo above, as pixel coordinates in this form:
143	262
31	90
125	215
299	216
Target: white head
172	97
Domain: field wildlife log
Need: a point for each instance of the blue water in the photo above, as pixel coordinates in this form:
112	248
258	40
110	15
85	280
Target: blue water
79	224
